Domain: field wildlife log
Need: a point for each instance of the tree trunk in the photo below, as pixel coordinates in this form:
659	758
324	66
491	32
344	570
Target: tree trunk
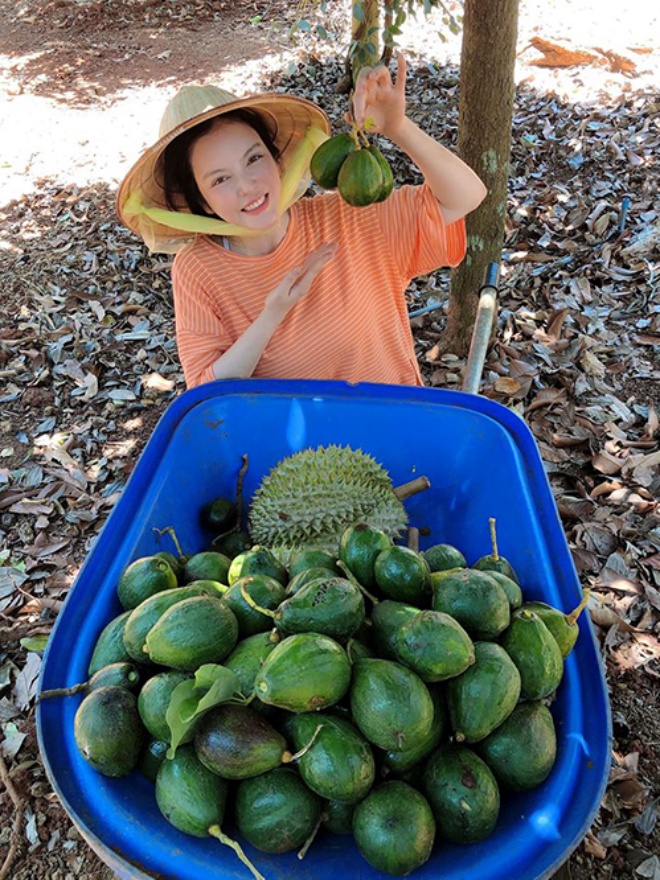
490	29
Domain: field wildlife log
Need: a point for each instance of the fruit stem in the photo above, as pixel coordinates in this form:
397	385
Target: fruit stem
493	537
250	601
239	490
310	840
412	487
304	749
413	539
168	530
349	574
215	831
62	692
571	619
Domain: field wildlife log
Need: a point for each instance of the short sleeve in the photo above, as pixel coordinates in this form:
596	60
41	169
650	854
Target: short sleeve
416	233
200	335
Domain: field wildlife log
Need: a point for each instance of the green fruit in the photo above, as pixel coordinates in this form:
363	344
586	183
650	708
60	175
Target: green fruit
463	794
434	645
359	548
535	652
309	574
387	618
326	678
394	828
232	544
236	742
522	751
360	179
564	627
209	565
258	560
144	577
390	705
400	762
510	587
190	797
109	647
153	755
340	764
193	632
219	515
338	817
275	811
247	659
484	695
329	605
123	674
312	558
176	562
328	159
265	591
311	497
386	171
154	700
403	575
148	612
108	731
442	557
477	602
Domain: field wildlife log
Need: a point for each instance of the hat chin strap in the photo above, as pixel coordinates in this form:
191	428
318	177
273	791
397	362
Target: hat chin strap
293	186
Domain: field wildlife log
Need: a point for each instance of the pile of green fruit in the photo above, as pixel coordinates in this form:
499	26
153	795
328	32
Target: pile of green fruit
356	168
382	692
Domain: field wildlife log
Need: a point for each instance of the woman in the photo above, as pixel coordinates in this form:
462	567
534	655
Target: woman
268	284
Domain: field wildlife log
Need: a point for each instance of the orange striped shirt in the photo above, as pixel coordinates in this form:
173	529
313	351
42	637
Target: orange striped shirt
353	324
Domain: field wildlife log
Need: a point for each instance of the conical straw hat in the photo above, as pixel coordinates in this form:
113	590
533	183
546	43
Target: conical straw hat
287	116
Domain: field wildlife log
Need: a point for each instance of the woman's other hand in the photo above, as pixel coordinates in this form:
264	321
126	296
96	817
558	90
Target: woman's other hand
297	283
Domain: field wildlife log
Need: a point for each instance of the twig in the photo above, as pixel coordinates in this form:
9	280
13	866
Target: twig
16	830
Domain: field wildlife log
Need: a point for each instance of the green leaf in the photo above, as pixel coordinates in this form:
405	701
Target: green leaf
255	19
304	25
213	684
36	643
321	31
358	12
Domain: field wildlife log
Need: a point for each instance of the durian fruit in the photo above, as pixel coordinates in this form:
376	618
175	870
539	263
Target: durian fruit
311	497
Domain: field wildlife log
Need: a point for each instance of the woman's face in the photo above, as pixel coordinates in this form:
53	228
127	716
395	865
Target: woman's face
236	175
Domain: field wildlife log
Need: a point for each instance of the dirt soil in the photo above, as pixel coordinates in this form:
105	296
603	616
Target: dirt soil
82	87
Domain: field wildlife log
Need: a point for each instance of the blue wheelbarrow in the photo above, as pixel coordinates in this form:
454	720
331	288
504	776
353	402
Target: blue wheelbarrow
482	463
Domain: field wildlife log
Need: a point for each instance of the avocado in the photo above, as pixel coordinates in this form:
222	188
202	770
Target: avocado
312	558
198	630
265	592
328	159
305	671
109	647
276	812
337	817
400	762
236	742
360	179
108	731
339	765
359	546
434	645
144	577
484	695
207	565
151	757
189	796
154	700
535	651
257	560
330	605
477	601
390	705
387	618
564	627
403	575
394	828
463	794
522	751
442	557
247	658
386	171
219	515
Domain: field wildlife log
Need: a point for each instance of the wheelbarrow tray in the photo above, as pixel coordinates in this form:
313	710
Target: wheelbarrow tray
482	462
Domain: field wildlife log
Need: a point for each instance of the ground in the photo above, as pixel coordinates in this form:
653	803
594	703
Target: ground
86	332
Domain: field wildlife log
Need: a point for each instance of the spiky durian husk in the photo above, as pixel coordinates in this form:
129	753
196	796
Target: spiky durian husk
311	497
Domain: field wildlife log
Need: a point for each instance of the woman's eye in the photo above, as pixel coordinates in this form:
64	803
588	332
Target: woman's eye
219	180
255	158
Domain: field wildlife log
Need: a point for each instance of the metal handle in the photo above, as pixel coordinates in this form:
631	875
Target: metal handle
483	326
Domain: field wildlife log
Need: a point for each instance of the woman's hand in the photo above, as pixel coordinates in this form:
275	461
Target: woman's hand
297	283
377	98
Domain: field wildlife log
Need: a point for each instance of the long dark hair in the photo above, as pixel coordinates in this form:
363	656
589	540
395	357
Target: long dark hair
178	179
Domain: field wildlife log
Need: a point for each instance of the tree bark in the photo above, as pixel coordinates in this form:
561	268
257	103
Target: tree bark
490	29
